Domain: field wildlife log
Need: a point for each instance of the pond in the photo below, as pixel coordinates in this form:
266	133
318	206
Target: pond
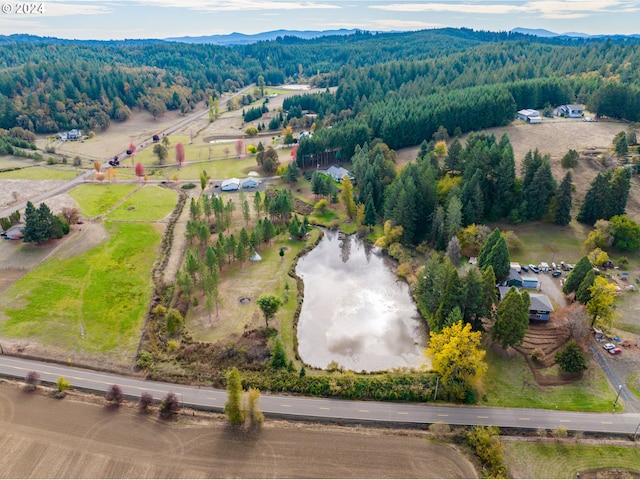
356	311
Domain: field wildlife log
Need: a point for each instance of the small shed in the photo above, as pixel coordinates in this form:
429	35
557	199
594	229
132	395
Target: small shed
529	282
515	266
230	185
515	279
540	308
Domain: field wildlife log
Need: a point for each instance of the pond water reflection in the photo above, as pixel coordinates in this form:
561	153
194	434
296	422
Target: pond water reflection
356	312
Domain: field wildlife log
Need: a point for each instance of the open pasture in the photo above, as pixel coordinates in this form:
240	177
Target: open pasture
93	303
98	199
150	203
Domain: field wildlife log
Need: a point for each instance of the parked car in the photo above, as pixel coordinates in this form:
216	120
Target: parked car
533	268
556	273
608	346
524	268
615	351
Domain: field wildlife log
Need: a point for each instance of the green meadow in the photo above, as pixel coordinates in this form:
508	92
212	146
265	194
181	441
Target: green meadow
94	303
151	203
97	199
41	173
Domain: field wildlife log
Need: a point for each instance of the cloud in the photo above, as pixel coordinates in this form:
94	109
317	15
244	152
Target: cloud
544	8
227	5
392	24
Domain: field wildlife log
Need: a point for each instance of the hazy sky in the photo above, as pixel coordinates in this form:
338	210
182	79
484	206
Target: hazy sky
118	19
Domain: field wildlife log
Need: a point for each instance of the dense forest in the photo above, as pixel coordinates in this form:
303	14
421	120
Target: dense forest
402	86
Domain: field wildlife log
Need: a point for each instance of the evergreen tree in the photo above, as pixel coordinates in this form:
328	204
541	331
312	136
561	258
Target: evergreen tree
596	201
539	192
278	355
453	162
577	275
474	299
570	358
452	297
563	201
453	250
583	293
453	219
485	251
512	319
31	232
369	213
499	260
619	187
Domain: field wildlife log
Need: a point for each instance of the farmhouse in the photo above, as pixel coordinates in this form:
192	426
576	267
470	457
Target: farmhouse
337	173
230	185
250	183
540	308
569	111
529	115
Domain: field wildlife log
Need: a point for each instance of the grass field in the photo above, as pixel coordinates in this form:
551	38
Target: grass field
562	460
96	199
41	173
149	204
93	303
9	161
268	276
510	383
544	242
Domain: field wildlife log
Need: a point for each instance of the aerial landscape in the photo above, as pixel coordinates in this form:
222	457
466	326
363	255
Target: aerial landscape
375	240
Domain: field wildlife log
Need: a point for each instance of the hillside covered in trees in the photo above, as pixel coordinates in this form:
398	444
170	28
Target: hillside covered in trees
399	87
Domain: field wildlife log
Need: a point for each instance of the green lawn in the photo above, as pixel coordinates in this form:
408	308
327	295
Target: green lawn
510	383
96	199
41	173
151	203
92	303
563	460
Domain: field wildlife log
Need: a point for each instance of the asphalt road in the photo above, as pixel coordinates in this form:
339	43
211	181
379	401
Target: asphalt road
329	409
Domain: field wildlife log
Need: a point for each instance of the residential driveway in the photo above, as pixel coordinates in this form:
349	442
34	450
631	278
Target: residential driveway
551	288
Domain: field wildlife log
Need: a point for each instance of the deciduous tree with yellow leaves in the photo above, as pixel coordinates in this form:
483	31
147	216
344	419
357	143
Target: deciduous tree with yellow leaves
458	359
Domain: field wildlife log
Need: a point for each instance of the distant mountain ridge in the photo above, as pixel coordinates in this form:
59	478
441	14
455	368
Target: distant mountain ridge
541	32
246	39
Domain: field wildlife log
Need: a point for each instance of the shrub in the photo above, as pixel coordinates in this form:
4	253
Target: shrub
251	131
62	385
440	429
174	321
32	379
560	432
188	186
77	161
252	149
170	406
146	401
537	355
145	360
485	443
114	395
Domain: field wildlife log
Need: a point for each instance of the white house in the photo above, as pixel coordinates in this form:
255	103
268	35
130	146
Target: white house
529	115
569	111
230	185
337	173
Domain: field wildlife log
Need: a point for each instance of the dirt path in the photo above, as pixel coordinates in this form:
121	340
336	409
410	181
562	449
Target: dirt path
42	437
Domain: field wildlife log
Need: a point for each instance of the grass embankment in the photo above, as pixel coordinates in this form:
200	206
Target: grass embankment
562	460
41	173
93	303
510	383
9	161
149	204
97	199
268	276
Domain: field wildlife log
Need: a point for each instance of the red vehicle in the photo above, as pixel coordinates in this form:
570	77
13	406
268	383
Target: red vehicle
615	351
